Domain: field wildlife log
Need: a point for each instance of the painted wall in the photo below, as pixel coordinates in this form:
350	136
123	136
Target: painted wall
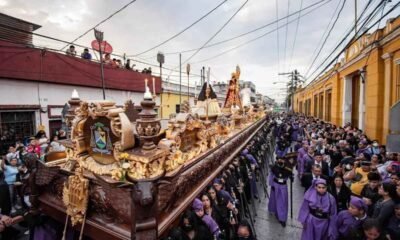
376	57
169	102
15	92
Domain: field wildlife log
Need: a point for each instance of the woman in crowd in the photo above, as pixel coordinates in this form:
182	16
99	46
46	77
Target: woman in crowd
212	210
10	173
340	192
384	208
192	229
212	226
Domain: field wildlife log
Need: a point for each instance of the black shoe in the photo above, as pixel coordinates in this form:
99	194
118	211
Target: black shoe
282	223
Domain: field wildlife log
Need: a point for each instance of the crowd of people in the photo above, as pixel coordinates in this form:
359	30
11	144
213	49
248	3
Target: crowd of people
226	208
107	60
351	186
14	199
351	183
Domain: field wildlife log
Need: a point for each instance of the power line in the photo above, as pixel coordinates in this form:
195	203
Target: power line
327	36
182	31
357	38
277	34
216	33
286	36
369	53
251	31
101	22
347	33
260	36
295	35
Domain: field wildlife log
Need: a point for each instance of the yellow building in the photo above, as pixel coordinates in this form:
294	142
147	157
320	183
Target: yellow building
170	103
360	89
171	96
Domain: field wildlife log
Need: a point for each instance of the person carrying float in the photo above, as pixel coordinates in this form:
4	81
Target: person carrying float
278	201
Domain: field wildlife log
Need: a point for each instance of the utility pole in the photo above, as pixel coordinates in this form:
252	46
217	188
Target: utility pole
355	18
180	79
99	37
294	81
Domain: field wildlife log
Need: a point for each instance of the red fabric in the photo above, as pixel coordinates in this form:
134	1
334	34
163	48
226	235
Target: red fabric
32	64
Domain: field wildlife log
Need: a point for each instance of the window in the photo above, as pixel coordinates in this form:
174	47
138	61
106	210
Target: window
15	126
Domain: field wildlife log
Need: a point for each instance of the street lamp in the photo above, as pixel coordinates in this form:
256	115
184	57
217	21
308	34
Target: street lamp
99	37
160	60
188	72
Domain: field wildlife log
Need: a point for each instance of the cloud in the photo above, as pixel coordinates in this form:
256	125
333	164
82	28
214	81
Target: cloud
147	23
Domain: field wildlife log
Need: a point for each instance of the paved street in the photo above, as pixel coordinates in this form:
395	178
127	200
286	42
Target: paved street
267	227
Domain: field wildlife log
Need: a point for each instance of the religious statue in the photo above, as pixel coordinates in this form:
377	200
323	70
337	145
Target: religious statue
233	97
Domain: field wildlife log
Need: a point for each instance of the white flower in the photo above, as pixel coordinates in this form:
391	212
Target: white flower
126	165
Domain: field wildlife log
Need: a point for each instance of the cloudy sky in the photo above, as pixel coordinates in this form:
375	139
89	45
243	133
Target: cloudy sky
146	23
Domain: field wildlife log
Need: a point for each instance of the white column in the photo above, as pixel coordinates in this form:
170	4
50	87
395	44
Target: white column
361	106
347	99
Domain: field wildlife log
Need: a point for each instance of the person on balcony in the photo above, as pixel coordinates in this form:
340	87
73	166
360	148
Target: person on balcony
107	59
71	51
86	55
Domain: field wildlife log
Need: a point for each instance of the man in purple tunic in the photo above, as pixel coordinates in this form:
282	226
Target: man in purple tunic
352	218
278	201
318	213
295	132
300	158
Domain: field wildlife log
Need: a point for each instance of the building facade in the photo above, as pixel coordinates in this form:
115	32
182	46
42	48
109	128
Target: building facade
171	97
360	89
36	83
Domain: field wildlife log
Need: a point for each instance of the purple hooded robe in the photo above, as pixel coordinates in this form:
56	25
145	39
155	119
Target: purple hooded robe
300	160
278	201
315	228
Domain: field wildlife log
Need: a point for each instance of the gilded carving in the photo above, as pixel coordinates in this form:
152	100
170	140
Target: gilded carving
75	196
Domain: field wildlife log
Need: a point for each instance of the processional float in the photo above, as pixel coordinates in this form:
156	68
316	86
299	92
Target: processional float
124	177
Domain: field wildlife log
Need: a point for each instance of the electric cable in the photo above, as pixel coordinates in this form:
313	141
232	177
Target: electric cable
251	31
327	36
258	37
348	31
179	33
286	36
101	22
357	38
216	33
295	34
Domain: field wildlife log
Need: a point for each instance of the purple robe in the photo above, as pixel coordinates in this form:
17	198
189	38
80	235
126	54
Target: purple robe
300	160
278	200
345	222
281	153
253	161
211	224
318	228
295	132
306	158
